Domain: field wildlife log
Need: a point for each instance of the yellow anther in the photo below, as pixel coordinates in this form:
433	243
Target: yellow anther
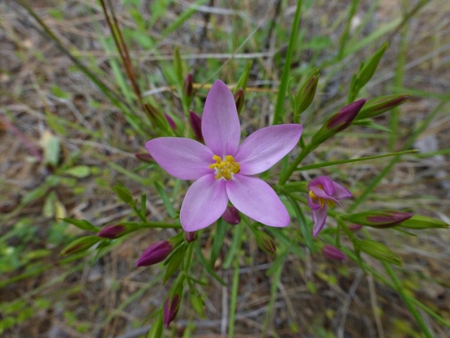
321	200
225	168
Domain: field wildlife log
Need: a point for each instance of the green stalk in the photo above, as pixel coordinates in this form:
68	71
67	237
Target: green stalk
423	326
398	82
286	174
345	33
234	295
279	108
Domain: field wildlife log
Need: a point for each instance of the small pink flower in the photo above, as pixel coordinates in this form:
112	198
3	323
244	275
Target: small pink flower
324	193
223	169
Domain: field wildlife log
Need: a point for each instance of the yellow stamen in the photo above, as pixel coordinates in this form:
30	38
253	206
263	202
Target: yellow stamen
321	200
225	168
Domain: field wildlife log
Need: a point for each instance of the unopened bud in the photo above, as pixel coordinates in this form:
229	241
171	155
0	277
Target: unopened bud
170	121
306	94
190	236
379	218
333	253
196	124
81	244
366	73
231	215
381	105
345	116
112	231
338	122
379	251
145	157
171	307
355	227
155	253
158	119
423	222
239	100
265	242
188	87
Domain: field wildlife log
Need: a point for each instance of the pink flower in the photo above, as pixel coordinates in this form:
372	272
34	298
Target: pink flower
223	169
324	193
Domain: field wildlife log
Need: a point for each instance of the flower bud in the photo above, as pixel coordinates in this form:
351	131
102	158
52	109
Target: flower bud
112	231
190	236
379	251
171	306
381	105
338	122
239	100
265	242
379	218
170	121
306	94
155	253
422	222
345	116
231	215
145	157
80	245
196	124
158	119
333	253
355	227
367	71
188	87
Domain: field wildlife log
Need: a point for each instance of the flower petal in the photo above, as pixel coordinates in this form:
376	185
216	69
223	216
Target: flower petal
322	194
340	192
255	198
267	146
324	182
183	158
220	122
205	201
319	217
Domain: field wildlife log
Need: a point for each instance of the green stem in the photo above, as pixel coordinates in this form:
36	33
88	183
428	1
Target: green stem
287	174
423	326
234	295
279	108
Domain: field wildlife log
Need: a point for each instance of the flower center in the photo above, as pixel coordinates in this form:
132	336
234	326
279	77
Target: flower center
321	200
225	168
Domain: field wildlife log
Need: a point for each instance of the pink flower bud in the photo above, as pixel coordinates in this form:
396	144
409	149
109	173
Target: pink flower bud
196	124
170	311
190	236
345	116
188	86
355	227
333	253
239	99
155	253
171	121
112	231
379	218
231	215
